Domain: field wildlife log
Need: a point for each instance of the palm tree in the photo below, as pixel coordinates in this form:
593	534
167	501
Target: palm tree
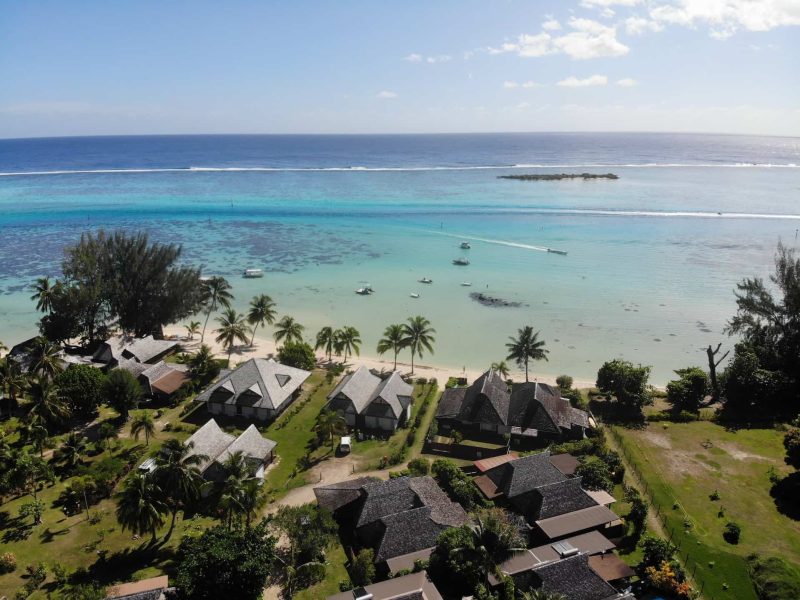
192	329
43	294
326	340
526	347
34	431
178	474
418	335
45	357
232	489
347	340
330	423
262	310
252	499
288	330
216	292
46	403
143	423
71	452
12	380
501	368
494	539
201	363
140	507
232	328
393	339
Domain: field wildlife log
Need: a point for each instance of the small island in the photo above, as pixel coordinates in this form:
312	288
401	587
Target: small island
559	176
492	301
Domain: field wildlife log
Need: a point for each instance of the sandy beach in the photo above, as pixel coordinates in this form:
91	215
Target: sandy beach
264	346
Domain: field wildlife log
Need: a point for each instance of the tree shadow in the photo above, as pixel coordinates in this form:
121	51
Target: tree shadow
786	494
17	530
120	566
48	535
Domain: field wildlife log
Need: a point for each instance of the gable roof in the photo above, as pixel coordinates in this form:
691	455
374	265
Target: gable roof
362	387
573	578
217	445
415	586
250	443
259	382
517	477
140	349
144	589
561	497
579	520
334	496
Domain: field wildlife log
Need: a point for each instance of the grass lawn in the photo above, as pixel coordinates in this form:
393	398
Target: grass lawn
683	464
334	573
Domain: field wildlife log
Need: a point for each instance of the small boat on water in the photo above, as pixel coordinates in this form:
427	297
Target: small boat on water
465	246
561	252
414	295
461	262
426	280
252	273
365	291
466	283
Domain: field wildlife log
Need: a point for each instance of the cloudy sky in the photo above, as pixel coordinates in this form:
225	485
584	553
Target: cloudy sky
88	68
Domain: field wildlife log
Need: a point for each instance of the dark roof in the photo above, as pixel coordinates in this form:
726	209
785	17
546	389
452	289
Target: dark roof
410	531
561	497
525	474
450	403
566	463
610	567
334	496
579	520
383	498
415	586
573	578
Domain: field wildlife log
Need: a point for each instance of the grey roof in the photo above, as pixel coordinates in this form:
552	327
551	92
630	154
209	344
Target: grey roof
134	367
575	579
561	497
157	371
334	496
579	520
362	387
415	586
525	474
260	383
141	349
450	403
411	531
217	445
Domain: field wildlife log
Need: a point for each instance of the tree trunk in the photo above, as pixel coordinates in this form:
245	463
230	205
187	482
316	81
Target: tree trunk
712	370
172	524
253	338
395	359
526	370
203	335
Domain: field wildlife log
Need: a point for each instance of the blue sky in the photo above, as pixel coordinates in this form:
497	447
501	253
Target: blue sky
93	68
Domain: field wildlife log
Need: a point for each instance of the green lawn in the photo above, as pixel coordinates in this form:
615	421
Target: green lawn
683	464
334	573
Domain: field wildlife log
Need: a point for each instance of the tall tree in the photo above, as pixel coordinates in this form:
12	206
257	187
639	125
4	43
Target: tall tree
43	292
192	329
45	358
140	505
143	424
34	431
81	386
329	423
418	337
216	293
326	340
688	391
47	404
122	391
501	368
627	383
12	380
203	366
393	340
262	310
232	329
713	364
232	489
71	452
288	330
178	475
24	472
526	347
348	341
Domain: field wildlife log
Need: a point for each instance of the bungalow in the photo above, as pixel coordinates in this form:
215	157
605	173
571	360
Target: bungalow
260	389
527	411
145	350
553	503
216	445
367	401
154	588
400	518
415	586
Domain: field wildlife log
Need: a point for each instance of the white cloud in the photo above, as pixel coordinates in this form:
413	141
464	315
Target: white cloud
639	25
386	94
414	58
530	84
626	82
726	17
510	85
574	82
440	58
551	25
607	3
523	105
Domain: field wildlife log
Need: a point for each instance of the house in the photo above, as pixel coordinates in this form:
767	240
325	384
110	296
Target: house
528	411
415	586
154	588
259	389
216	445
367	401
566	463
145	350
400	519
161	380
552	502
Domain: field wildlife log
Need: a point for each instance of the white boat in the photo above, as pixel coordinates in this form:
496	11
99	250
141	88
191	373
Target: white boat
252	273
561	252
365	291
465	246
466	283
461	262
414	295
426	280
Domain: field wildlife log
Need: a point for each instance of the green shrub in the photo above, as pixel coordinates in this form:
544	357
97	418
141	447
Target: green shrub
732	532
774	578
564	382
8	562
298	355
419	466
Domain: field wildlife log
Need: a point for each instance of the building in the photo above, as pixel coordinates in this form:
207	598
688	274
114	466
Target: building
216	445
553	503
367	401
528	411
154	588
145	350
415	586
400	519
260	389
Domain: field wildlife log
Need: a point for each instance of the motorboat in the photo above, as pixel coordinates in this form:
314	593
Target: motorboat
426	280
465	246
561	252
365	291
414	295
252	273
461	262
466	283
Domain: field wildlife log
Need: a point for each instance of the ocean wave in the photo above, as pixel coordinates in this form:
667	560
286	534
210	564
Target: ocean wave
352	169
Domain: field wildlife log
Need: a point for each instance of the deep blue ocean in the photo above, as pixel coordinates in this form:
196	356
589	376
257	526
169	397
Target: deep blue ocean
652	258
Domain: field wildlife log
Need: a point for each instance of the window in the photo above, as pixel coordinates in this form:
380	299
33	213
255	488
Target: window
238	409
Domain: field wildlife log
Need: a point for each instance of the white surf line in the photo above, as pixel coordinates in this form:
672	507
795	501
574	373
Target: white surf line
488	241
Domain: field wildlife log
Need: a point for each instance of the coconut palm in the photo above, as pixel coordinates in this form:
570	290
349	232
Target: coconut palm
288	330
45	357
262	310
393	339
252	499
46	403
34	431
231	491
201	364
140	505
232	329
329	424
526	347
326	340
192	329
347	341
216	293
178	474
501	368
418	336
72	451
12	380
143	423
43	294
494	539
